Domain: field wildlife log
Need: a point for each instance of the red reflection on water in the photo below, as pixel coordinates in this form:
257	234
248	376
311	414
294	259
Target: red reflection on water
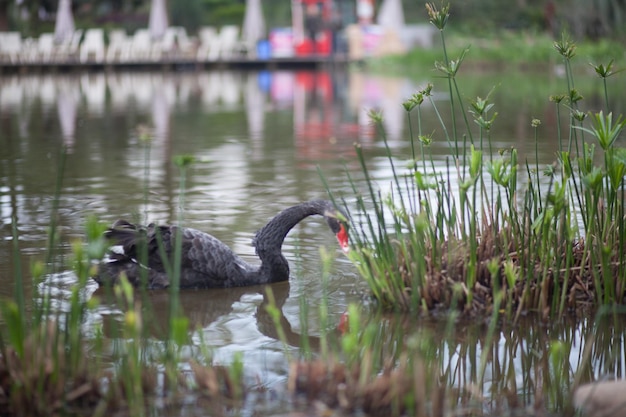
324	124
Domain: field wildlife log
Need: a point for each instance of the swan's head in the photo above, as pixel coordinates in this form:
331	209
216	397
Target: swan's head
338	223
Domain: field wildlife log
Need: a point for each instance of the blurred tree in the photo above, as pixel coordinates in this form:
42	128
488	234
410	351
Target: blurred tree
4	15
582	18
223	12
187	13
594	18
277	13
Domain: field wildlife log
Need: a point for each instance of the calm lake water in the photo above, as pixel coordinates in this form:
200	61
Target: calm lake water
258	139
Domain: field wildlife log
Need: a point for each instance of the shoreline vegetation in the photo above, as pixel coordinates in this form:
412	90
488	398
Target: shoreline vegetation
526	50
492	246
512	239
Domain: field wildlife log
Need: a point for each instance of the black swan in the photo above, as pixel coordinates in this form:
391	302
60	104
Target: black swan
206	262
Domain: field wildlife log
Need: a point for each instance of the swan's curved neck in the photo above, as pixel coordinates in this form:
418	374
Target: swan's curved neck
269	240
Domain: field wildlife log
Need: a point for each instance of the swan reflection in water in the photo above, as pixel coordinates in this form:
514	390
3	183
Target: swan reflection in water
211	310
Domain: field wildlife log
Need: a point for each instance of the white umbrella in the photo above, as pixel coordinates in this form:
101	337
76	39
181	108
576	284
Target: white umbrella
158	19
297	21
64	24
253	22
391	15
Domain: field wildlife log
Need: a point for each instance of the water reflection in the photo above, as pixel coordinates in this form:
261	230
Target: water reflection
67	104
532	363
218	319
324	103
258	139
100	116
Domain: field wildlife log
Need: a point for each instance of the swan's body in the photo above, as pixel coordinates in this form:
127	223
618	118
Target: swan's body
205	261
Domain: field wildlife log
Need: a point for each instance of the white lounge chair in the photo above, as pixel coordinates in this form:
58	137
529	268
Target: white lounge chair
93	44
44	48
10	46
66	51
224	44
174	44
228	41
119	46
142	47
207	36
167	44
186	46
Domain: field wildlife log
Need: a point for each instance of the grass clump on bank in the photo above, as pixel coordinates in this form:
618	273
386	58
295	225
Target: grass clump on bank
382	364
487	233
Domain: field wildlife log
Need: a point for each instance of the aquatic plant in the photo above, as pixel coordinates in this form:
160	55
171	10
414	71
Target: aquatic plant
386	366
50	364
484	246
42	354
481	234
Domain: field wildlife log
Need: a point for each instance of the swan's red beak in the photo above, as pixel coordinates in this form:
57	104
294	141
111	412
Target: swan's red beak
342	237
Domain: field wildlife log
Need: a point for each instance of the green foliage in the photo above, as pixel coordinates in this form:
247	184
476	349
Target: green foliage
427	246
381	358
421	248
191	14
223	12
604	130
16	331
500	50
55	363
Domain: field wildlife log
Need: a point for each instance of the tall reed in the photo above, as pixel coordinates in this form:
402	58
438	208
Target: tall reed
467	236
43	357
50	364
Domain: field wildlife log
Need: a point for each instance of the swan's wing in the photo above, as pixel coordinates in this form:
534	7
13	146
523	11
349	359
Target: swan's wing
208	262
205	261
142	245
